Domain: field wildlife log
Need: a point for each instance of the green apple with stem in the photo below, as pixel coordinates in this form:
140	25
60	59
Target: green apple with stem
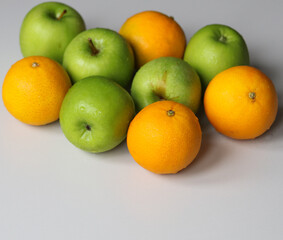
102	52
95	114
48	28
166	78
215	48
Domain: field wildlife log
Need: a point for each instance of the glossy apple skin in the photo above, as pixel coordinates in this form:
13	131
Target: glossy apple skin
42	34
215	48
166	78
96	113
114	60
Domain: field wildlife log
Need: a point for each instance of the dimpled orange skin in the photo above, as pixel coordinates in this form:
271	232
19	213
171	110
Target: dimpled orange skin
241	102
152	35
161	143
34	89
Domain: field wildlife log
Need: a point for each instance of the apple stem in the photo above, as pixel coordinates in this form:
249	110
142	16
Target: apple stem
222	39
88	127
62	14
170	113
92	47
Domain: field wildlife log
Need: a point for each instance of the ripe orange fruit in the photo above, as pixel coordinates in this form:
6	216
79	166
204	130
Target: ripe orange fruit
34	89
152	35
241	102
164	137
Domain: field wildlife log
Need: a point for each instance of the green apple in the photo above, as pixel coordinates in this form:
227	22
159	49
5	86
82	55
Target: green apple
215	48
48	28
100	52
167	78
95	114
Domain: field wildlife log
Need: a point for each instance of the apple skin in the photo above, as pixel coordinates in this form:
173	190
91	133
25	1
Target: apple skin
42	34
114	59
95	114
166	78
215	48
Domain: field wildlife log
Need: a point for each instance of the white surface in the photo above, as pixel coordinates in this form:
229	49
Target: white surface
51	190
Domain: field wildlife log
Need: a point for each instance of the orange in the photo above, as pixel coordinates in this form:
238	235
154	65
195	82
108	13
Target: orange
34	88
241	102
164	137
152	35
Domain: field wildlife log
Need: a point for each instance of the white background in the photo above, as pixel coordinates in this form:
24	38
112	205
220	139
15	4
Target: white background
233	190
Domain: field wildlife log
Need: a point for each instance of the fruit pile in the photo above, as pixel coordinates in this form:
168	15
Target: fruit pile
142	83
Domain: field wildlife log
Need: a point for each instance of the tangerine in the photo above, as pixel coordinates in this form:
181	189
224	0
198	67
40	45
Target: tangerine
241	102
34	88
164	137
152	35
